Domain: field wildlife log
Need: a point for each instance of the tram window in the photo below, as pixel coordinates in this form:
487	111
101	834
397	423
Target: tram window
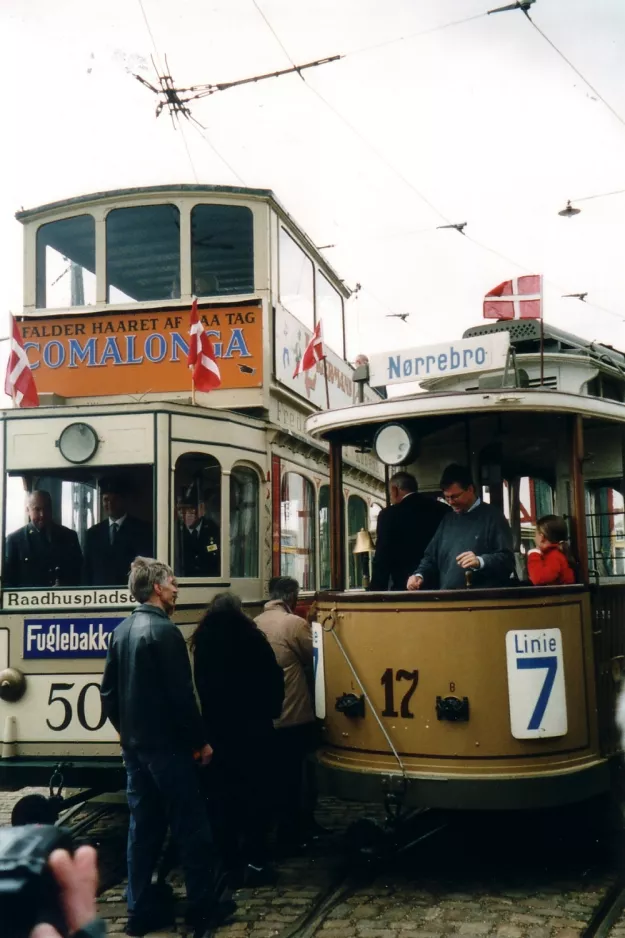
605	523
324	537
66	263
297	292
330	310
222	250
143	253
297	527
197	549
73	528
374	511
356	520
244	522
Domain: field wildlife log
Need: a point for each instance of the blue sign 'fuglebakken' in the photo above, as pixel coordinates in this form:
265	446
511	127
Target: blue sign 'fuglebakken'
68	638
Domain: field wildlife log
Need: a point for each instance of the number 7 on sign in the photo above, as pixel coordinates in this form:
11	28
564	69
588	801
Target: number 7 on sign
550	663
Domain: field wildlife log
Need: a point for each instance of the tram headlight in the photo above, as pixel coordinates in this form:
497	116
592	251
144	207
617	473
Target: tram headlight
12	685
394	445
78	442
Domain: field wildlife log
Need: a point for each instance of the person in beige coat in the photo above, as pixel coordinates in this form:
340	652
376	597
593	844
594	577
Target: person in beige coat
290	636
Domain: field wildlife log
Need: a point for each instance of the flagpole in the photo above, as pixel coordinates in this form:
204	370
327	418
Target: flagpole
192	389
325	373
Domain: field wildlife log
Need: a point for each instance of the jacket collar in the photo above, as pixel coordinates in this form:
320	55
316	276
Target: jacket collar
277	604
152	610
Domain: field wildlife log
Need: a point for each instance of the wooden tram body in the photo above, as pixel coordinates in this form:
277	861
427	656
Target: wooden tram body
488	698
108	285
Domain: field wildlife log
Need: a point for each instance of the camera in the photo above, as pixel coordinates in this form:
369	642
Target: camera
28	891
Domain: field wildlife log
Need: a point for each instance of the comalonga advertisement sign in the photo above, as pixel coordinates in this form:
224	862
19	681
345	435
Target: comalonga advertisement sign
140	352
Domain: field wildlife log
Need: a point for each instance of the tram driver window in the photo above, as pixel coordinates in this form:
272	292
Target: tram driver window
359	564
143	253
296	272
75	528
197	546
297	530
66	263
605	523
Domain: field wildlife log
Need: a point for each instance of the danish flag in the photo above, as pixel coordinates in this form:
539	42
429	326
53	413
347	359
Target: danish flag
519	298
201	357
313	353
19	382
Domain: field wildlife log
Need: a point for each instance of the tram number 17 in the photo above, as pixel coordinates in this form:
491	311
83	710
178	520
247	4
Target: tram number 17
388	682
56	697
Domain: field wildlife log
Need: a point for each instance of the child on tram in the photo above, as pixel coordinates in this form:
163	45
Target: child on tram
550	562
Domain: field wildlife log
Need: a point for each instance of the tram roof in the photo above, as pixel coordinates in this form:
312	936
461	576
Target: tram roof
346	424
114	195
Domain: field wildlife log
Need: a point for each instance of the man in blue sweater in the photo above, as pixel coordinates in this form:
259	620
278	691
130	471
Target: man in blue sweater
474	537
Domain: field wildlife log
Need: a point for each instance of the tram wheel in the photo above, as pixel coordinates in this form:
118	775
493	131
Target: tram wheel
34	809
366	841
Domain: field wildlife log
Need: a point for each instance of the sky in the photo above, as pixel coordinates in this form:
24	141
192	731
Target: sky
480	121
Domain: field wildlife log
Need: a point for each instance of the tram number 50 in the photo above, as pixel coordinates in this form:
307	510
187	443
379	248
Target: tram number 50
388	682
57	692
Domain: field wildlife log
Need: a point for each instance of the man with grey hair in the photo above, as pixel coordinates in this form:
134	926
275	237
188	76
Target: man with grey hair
404	530
42	553
147	693
290	636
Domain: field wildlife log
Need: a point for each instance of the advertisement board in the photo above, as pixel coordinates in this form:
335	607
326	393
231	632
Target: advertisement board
140	352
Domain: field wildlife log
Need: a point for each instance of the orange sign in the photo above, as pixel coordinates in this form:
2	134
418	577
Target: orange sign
140	352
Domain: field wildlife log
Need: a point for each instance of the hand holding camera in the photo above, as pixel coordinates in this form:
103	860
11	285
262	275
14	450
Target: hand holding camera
77	879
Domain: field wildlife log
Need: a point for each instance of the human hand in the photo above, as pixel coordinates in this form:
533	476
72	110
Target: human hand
414	582
206	754
468	560
77	879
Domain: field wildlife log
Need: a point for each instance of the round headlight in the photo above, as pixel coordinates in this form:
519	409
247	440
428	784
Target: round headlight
393	445
78	442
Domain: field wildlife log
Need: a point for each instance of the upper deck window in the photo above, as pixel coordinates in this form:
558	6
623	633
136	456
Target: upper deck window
297	290
222	250
66	263
143	253
330	311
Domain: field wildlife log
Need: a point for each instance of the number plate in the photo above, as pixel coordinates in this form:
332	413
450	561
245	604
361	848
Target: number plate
536	687
320	681
62	708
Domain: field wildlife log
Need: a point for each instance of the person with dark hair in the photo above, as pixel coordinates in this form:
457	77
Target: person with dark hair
551	561
227	647
42	553
147	694
112	544
198	546
290	636
473	544
404	530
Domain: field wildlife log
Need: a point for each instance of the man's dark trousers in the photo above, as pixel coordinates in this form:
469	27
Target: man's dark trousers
163	790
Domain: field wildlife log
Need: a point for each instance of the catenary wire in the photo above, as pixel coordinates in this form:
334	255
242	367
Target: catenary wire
422	32
217	153
151	34
614	113
186	146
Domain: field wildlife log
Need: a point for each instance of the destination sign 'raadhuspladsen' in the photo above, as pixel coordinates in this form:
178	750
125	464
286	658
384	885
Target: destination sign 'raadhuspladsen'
130	353
68	638
479	353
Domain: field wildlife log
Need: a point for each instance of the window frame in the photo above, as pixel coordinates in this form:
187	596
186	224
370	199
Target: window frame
251	467
224	493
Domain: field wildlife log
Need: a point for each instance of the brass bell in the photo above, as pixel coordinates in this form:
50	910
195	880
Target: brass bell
364	544
12	684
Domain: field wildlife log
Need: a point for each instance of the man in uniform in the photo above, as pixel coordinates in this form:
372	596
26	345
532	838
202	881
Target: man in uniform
404	530
41	553
112	545
199	544
473	543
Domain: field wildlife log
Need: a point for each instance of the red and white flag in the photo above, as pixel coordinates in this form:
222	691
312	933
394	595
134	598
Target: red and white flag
201	357
313	353
19	382
520	298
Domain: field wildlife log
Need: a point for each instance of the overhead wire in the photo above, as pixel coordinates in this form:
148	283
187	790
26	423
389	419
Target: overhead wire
422	32
594	90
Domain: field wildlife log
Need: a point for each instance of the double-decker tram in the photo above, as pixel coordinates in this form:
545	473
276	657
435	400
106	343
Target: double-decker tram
120	460
488	698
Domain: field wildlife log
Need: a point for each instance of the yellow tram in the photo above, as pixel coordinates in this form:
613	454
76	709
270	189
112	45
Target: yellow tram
108	285
484	698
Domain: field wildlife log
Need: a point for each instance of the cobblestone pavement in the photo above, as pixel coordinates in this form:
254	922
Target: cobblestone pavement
536	876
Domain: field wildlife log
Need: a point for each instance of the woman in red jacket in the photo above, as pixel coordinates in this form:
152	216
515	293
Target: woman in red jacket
550	562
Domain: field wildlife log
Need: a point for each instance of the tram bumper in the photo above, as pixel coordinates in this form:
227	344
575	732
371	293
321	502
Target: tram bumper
468	793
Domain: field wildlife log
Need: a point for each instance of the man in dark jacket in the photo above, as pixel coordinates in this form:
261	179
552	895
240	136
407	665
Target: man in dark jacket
147	693
41	553
472	546
404	530
112	545
199	544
